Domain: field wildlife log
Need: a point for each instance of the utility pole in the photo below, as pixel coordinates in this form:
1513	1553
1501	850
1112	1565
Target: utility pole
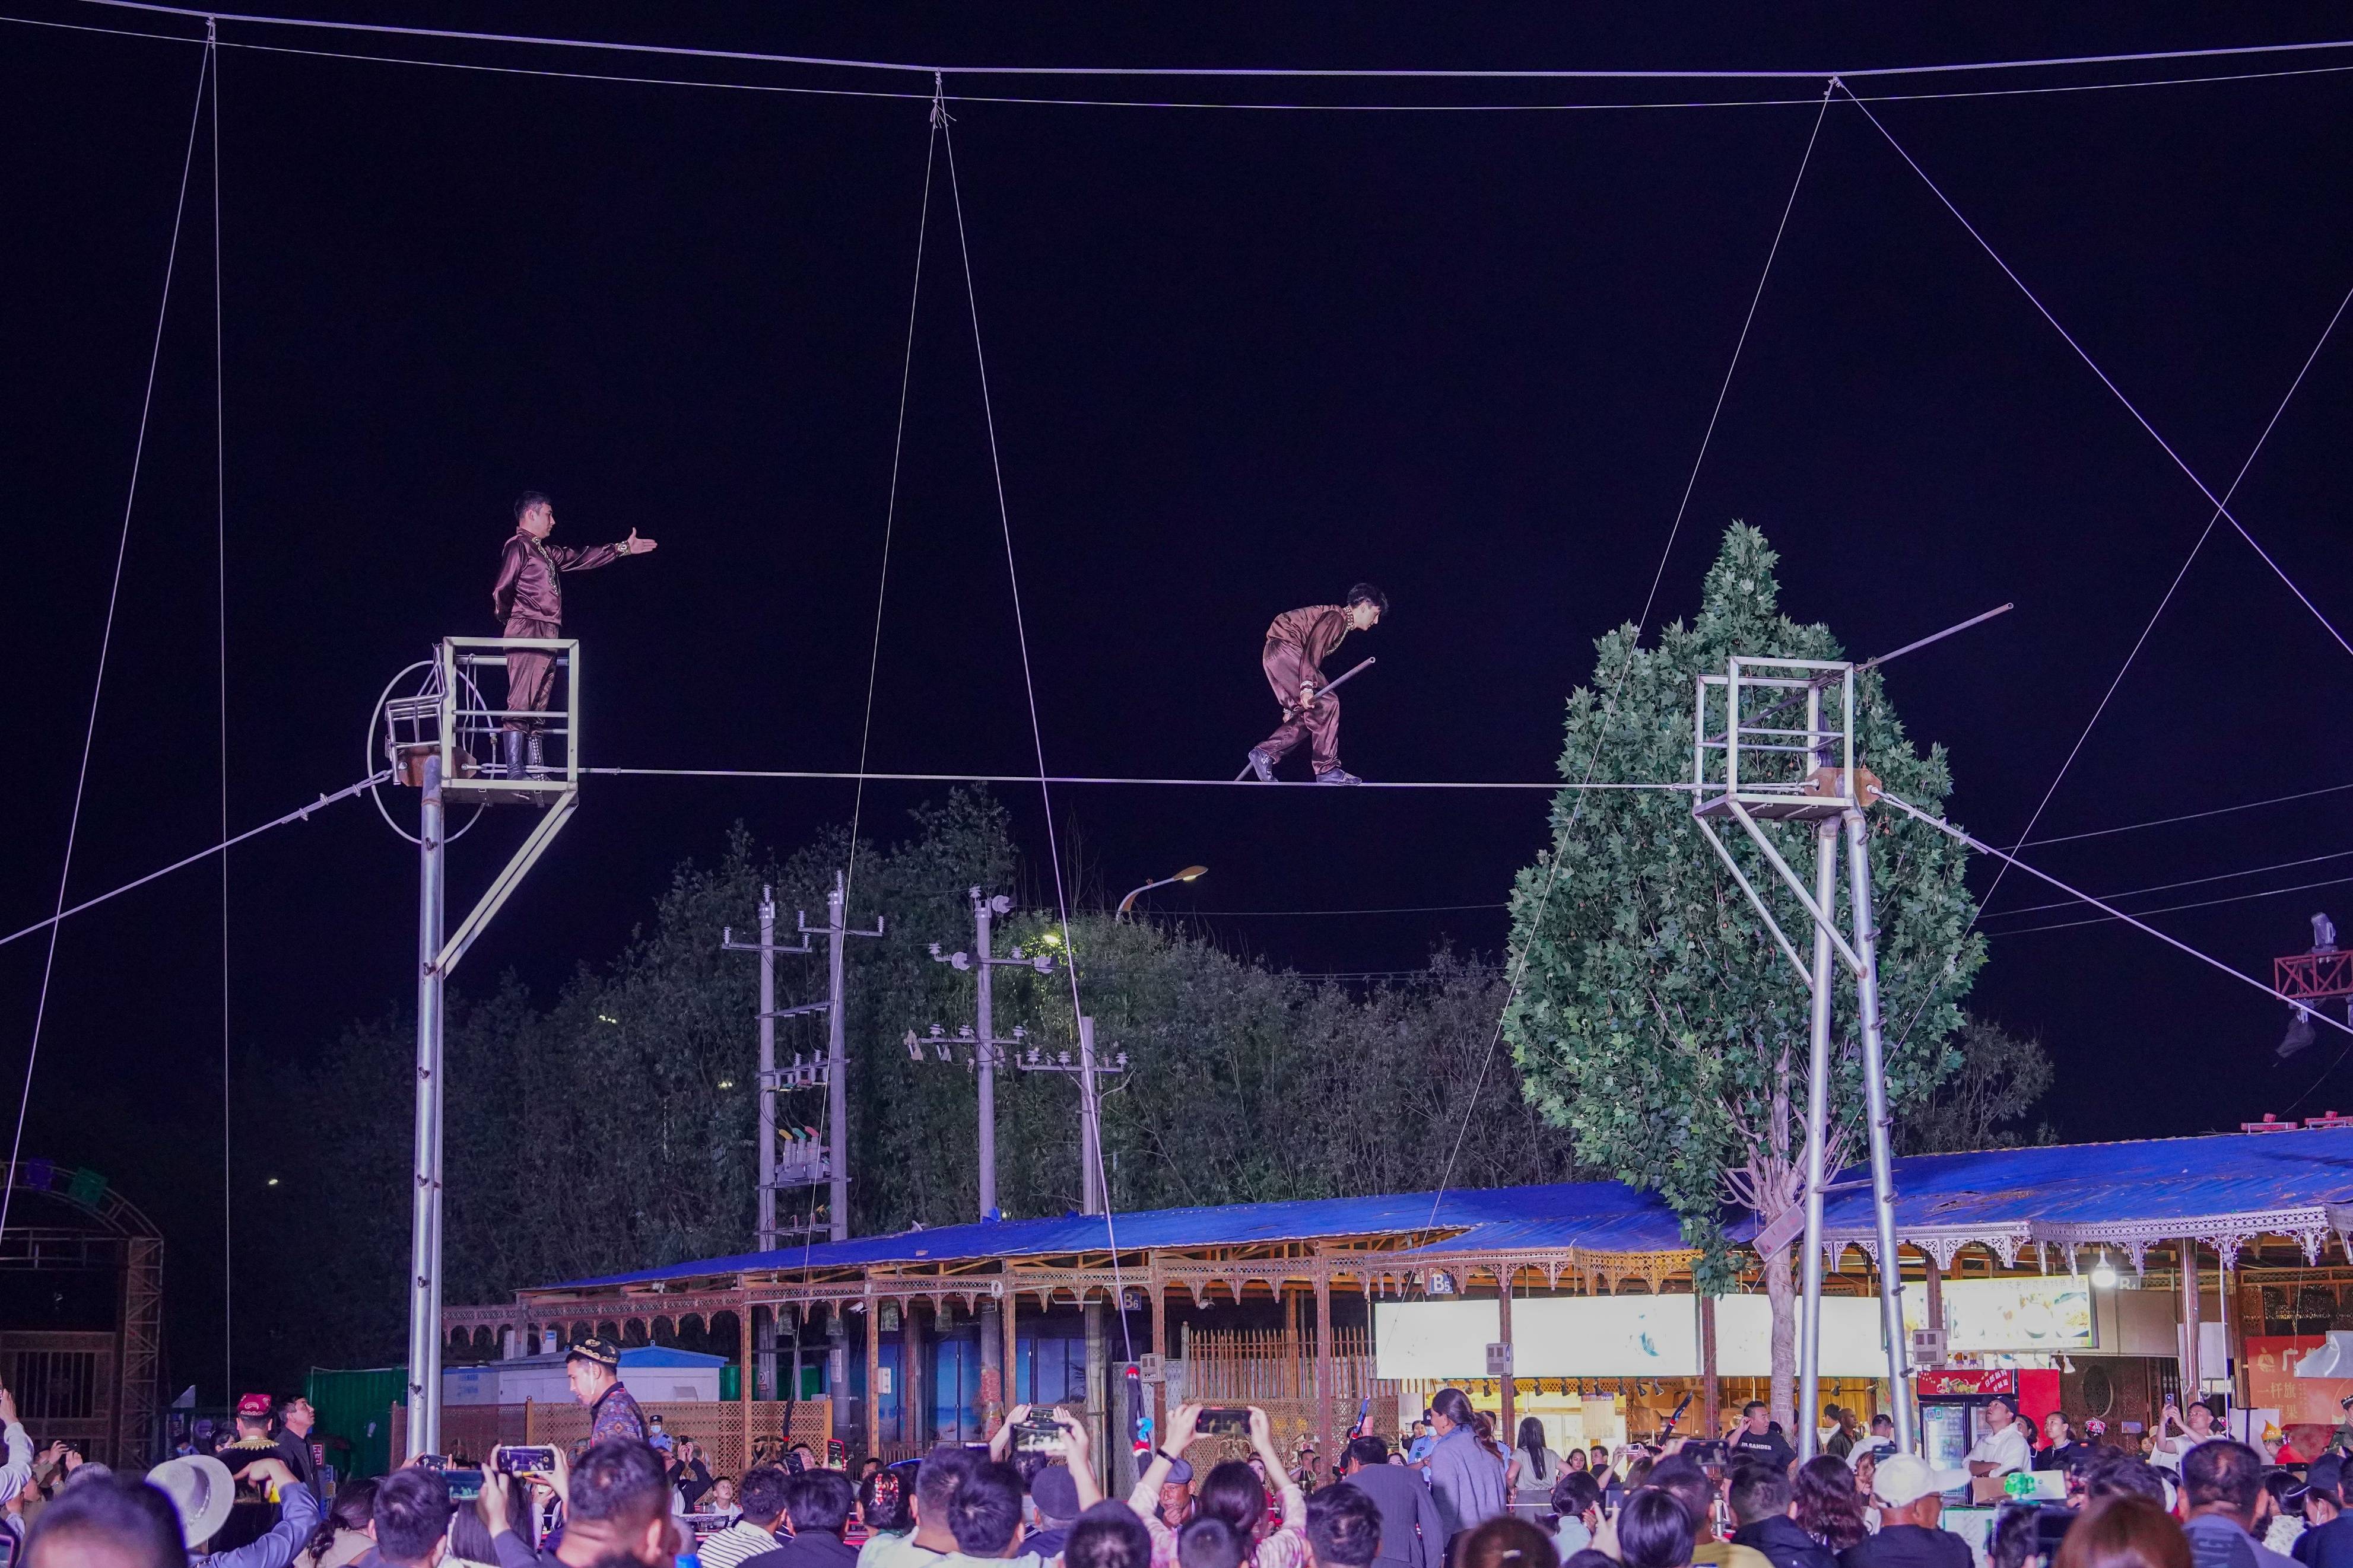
837	1051
984	1052
805	1164
767	1237
1095	1201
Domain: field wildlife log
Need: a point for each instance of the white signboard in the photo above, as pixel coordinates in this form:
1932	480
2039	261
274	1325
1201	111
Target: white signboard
2027	1315
1612	1336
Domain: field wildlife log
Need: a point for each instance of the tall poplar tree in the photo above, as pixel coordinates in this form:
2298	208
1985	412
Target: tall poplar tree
1657	1020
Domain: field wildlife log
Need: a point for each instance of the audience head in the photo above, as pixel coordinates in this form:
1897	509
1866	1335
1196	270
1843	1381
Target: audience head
1575	1494
1056	1493
1450	1408
1108	1535
2017	1537
353	1508
762	1495
2123	1533
2126	1477
887	1498
2223	1476
1684	1480
1829	1501
411	1518
1910	1491
110	1522
985	1514
621	1497
1654	1530
1757	1491
821	1501
1362	1451
1756	1416
1234	1493
1208	1542
1506	1542
942	1472
1344	1527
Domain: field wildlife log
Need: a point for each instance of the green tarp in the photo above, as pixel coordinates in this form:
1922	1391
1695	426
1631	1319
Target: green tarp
356	1408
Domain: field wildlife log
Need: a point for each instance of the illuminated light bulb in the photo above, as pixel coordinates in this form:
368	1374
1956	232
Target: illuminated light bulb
2104	1273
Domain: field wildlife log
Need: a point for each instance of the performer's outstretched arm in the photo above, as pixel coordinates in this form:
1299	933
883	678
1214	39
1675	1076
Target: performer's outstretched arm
575	558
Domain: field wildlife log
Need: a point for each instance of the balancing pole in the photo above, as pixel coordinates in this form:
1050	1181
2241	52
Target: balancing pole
1333	684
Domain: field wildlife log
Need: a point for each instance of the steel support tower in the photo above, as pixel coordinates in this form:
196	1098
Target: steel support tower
1749	766
441	740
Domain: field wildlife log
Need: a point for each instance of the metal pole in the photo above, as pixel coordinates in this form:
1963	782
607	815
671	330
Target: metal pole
425	1232
2193	1376
1882	1178
1818	1099
1090	1122
767	1230
986	1060
836	1088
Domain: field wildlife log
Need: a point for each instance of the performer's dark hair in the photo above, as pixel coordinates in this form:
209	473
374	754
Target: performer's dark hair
1362	594
528	499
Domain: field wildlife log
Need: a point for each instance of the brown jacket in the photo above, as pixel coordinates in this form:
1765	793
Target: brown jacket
1314	631
527	588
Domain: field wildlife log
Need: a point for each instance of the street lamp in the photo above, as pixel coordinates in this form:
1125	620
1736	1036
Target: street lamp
1187	875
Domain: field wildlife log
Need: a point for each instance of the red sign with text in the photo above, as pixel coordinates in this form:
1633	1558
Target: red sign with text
1967	1380
2270	1363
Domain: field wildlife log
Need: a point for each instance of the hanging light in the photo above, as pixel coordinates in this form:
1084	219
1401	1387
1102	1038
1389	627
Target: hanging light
2104	1273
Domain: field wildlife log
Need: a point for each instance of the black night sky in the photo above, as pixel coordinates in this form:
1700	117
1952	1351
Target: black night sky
1239	360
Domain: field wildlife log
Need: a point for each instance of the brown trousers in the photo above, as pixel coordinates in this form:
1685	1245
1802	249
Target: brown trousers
530	677
1286	668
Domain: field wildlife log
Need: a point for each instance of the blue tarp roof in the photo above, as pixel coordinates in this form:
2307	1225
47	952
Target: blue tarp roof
2077	1184
633	1356
1602	1214
2073	1184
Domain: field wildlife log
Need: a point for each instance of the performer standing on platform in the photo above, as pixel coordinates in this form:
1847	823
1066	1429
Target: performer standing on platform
529	599
1297	644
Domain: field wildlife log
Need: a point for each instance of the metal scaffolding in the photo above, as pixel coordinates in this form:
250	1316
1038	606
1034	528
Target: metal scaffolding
1807	774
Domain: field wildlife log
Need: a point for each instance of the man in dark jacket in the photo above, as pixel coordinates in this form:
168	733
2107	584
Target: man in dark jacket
1412	1536
1297	644
528	599
817	1506
2327	1538
1759	1495
1910	1492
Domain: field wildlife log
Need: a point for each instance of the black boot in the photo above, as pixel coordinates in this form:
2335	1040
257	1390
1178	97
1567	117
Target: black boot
511	754
535	766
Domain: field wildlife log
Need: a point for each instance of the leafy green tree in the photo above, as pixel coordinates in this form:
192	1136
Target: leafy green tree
1985	1104
1658	1021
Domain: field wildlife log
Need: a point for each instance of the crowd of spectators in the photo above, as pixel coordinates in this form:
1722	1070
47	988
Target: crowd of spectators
1448	1496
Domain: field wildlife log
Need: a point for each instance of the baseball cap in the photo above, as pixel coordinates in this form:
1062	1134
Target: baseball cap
2325	1475
1056	1493
1179	1473
253	1407
1903	1479
597	1349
